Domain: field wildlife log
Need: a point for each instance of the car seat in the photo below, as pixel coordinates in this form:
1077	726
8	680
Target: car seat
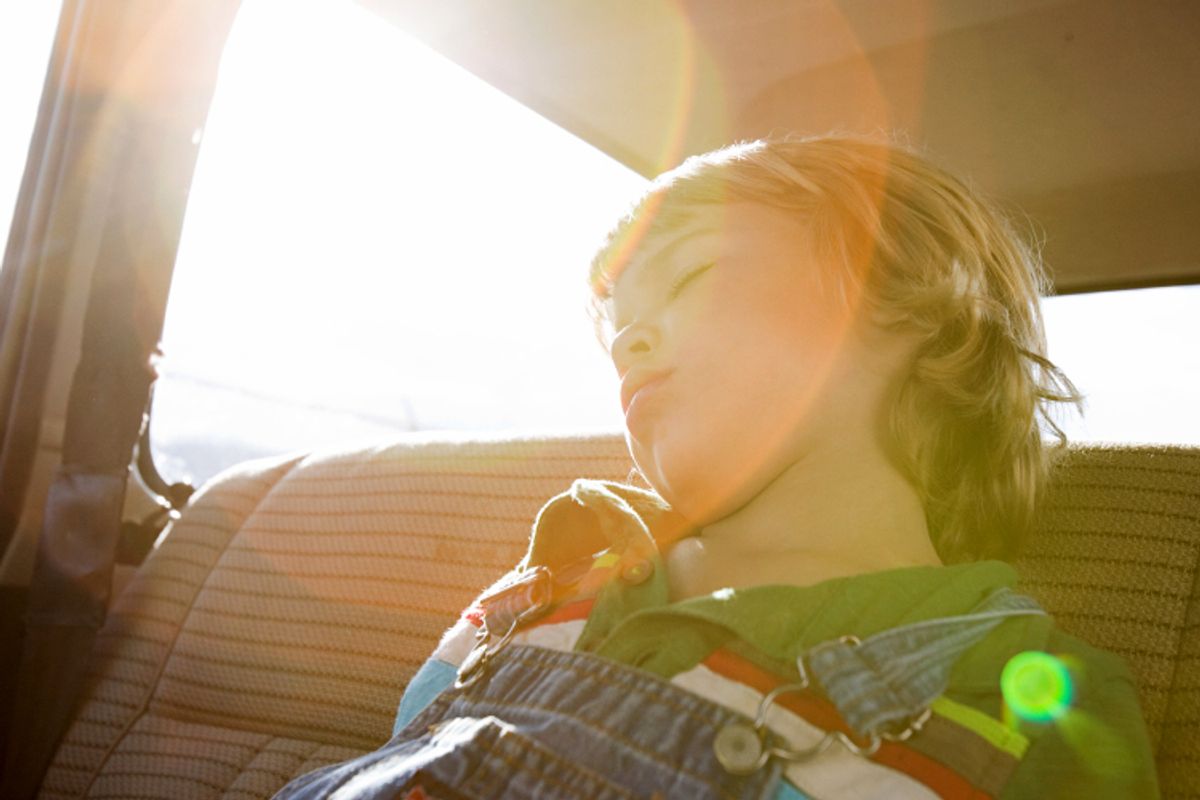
275	627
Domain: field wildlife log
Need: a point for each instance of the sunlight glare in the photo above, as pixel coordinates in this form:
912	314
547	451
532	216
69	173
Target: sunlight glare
375	231
26	40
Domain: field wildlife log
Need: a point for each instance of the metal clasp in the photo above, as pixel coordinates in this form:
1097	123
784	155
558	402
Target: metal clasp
523	599
743	748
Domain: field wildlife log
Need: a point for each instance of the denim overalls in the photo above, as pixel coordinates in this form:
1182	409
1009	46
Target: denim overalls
551	724
527	722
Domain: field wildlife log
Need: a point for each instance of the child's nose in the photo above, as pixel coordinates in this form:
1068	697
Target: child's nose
634	343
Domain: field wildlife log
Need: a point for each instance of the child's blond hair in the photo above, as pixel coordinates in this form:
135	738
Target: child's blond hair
918	251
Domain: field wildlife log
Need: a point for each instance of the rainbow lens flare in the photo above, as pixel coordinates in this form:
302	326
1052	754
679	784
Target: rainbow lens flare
1036	686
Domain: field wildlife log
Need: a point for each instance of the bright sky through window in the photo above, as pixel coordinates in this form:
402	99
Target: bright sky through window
1133	355
26	39
378	241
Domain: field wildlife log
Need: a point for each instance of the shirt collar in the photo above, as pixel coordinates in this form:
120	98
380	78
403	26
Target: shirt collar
779	620
595	515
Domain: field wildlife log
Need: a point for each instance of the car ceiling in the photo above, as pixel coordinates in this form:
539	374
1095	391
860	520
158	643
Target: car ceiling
1081	114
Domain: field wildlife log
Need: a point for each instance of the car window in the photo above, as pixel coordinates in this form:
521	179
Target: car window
376	242
1133	355
26	39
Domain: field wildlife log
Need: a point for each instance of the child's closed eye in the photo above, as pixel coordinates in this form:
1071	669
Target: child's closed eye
683	280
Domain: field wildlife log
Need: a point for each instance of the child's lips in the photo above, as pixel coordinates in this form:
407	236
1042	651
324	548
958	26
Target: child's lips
637	385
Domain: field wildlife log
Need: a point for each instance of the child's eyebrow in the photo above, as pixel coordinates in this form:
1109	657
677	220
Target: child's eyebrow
643	270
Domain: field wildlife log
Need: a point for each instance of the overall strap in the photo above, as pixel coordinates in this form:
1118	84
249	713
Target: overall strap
889	679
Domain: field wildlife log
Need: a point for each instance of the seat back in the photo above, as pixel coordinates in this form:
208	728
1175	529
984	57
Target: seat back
1115	557
275	628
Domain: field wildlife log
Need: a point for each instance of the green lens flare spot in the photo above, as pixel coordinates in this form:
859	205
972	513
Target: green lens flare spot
1036	686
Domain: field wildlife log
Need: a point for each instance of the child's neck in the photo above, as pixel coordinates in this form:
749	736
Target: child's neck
821	518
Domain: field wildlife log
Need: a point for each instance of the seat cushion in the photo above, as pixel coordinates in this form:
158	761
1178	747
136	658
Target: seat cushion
276	626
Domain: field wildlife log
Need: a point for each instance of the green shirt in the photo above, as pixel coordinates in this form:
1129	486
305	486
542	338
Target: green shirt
1097	748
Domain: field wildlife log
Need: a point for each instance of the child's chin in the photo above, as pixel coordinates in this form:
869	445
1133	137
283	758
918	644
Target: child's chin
697	499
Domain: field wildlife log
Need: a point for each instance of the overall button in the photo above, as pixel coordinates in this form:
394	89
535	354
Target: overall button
739	748
637	572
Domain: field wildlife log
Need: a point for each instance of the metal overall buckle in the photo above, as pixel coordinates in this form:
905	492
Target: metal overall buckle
743	748
523	599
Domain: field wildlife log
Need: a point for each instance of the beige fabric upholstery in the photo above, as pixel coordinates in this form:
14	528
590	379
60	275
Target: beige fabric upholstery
1116	559
275	628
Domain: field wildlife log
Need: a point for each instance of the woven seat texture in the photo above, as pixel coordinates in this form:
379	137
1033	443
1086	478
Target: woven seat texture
276	626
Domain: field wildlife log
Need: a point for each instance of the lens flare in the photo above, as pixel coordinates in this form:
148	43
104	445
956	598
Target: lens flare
1036	686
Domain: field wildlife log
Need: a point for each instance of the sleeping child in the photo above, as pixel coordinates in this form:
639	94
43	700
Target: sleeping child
835	390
